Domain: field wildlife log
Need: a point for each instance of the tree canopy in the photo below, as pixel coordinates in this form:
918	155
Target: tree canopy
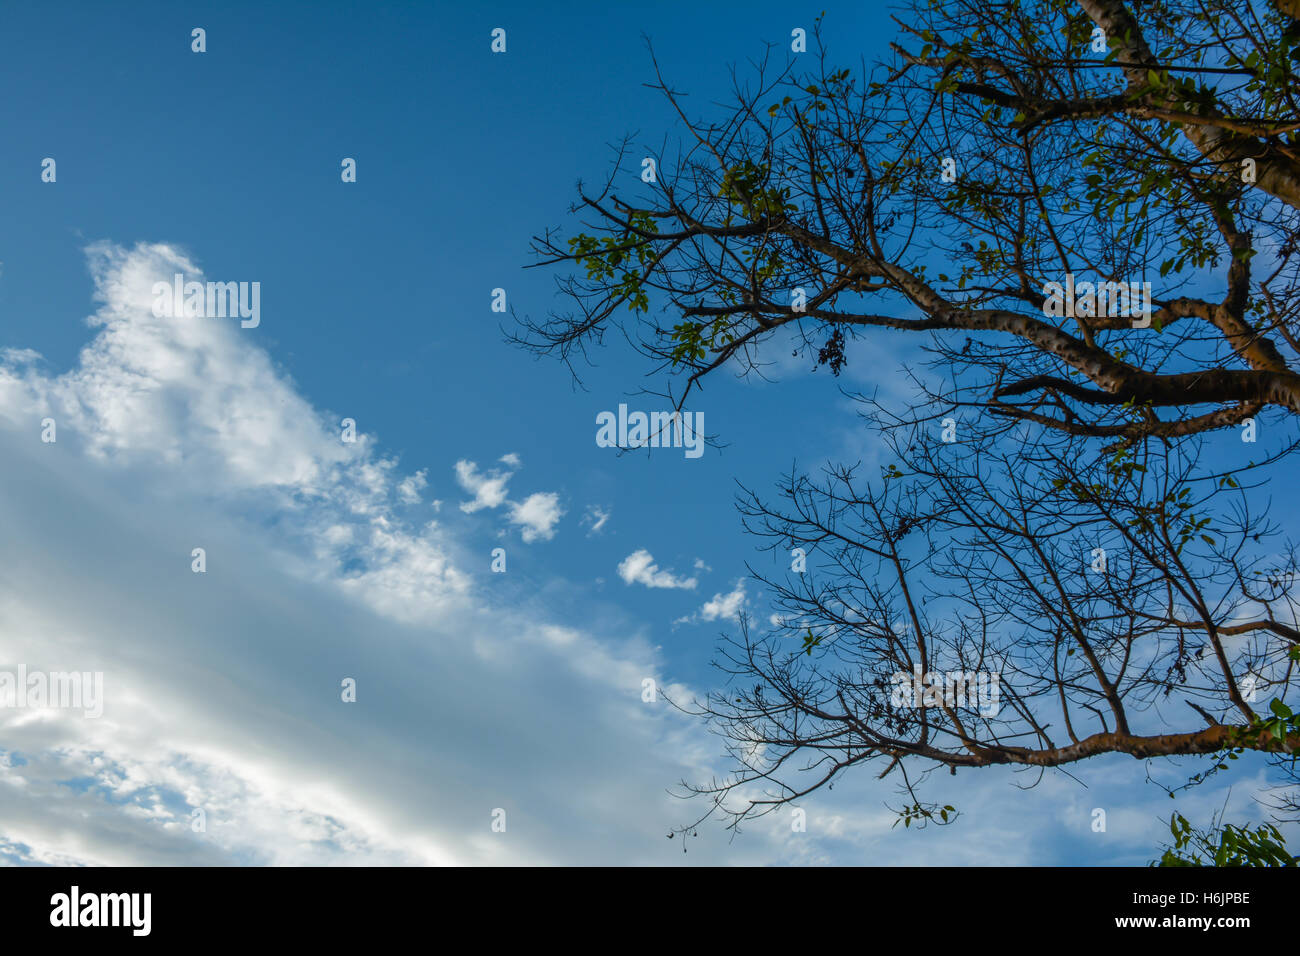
1078	501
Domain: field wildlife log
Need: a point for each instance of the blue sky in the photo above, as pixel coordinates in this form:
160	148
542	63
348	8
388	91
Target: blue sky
476	690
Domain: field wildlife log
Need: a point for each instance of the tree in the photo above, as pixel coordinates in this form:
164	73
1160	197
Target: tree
1086	213
1225	845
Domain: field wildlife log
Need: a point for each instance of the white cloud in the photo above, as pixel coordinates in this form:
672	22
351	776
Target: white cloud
489	490
596	517
20	356
223	689
409	488
639	568
144	377
726	607
538	515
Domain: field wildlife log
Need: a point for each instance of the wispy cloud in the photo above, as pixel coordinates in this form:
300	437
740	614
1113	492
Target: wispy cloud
595	518
409	488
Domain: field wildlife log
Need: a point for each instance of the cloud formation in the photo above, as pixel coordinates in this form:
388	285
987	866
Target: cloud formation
225	738
536	516
223	689
639	568
725	607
